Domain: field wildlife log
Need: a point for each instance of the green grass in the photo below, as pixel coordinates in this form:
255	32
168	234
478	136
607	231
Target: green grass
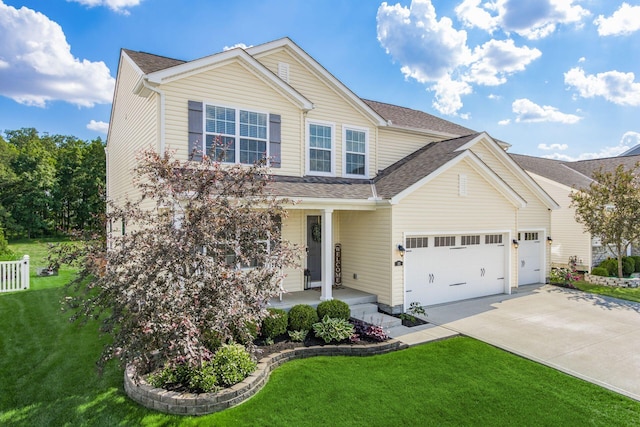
48	377
630	294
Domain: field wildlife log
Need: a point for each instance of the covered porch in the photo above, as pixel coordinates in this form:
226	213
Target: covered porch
312	297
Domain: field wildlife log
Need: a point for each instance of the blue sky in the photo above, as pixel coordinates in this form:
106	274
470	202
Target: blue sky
554	78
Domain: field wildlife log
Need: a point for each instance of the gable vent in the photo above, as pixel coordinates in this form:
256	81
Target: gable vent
283	71
462	185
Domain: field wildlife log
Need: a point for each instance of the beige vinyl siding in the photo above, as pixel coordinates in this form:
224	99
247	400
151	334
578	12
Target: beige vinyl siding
329	104
536	214
394	145
569	237
134	126
438	208
366	251
220	86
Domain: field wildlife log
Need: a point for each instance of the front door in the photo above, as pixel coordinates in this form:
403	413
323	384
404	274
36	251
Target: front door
314	249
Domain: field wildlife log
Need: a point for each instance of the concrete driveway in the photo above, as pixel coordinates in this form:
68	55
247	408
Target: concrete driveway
588	336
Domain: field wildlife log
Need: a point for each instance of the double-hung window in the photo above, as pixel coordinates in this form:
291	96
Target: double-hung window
321	142
355	142
235	135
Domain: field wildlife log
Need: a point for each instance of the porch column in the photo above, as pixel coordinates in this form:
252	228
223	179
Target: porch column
327	254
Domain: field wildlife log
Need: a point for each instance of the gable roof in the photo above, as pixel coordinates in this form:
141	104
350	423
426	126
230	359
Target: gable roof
554	170
411	169
321	72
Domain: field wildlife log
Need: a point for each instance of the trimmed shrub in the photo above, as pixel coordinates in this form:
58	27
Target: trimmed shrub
628	265
611	265
275	324
333	329
196	380
231	364
599	271
636	258
302	317
335	309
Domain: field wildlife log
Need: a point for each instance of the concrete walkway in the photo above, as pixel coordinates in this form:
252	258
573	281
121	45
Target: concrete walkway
588	336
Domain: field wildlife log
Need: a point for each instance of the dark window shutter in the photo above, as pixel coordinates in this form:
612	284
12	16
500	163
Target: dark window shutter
275	140
195	130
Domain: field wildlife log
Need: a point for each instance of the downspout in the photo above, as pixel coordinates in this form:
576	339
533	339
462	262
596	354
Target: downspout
146	85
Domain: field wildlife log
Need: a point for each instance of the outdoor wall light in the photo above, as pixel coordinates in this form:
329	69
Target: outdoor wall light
515	243
549	240
402	250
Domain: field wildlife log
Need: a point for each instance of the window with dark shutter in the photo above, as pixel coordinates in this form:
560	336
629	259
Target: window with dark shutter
275	140
195	130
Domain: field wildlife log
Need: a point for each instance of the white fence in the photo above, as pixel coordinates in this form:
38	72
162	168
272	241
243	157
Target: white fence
14	275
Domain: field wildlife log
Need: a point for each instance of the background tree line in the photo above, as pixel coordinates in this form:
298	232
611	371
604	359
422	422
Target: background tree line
50	184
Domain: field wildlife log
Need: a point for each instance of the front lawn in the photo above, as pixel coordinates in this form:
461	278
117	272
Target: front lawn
630	294
48	377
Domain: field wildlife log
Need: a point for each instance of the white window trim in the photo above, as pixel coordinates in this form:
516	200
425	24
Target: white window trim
237	128
308	170
344	151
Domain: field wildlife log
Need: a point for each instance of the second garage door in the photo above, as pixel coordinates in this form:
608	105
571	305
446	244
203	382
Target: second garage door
447	268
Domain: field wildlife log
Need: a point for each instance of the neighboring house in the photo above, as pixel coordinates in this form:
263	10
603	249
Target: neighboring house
392	201
559	179
633	151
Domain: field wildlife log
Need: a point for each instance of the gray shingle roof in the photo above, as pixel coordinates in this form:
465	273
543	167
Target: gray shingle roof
321	187
555	170
406	172
588	167
415	119
150	63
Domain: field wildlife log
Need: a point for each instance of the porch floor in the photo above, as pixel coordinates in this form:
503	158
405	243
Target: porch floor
312	298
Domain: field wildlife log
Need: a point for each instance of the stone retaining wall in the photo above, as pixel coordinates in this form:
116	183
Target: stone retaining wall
612	281
171	402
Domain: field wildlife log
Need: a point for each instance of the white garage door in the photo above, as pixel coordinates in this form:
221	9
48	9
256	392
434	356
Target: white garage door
529	258
441	269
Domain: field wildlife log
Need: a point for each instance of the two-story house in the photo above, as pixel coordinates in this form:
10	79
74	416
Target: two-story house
392	201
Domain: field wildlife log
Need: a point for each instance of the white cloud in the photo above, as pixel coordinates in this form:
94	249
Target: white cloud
582	59
428	49
628	140
614	86
39	66
120	6
494	96
101	127
496	59
530	112
434	53
546	147
624	21
240	45
533	19
504	122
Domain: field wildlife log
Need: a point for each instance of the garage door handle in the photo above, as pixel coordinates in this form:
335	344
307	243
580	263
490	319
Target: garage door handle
522	263
409	290
431	278
482	271
458	284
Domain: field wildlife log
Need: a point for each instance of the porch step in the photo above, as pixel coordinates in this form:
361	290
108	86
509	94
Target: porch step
369	313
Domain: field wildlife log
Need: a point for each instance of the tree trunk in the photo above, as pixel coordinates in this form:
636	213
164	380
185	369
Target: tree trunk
619	262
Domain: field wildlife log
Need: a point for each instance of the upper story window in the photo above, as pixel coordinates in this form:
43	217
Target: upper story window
355	152
321	145
234	135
